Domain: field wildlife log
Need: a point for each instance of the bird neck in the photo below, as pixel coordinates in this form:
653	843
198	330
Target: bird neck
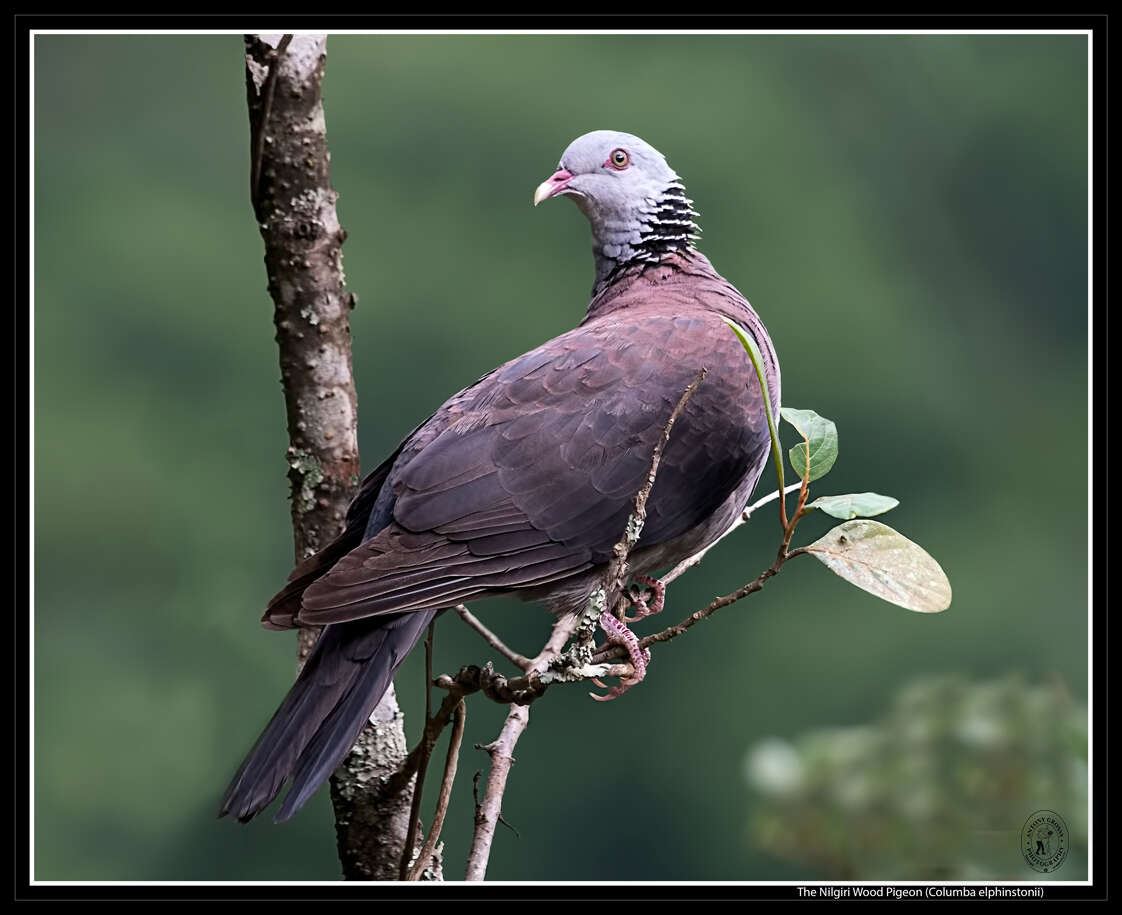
653	228
631	284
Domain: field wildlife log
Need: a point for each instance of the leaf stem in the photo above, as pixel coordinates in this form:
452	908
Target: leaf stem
800	505
753	351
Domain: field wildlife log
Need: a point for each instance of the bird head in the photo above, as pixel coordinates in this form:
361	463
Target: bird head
634	201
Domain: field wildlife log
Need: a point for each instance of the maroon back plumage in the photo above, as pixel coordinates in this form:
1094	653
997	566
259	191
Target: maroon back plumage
528	476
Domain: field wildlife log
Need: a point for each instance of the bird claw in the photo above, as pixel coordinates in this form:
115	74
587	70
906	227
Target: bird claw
636	593
618	633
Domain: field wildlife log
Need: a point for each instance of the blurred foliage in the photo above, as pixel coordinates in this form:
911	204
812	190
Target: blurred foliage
906	213
938	789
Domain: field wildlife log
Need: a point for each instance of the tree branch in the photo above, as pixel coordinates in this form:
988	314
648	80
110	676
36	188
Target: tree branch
295	208
686	564
428	741
294	205
489	811
614	578
491	639
445	793
501	750
672	632
551	665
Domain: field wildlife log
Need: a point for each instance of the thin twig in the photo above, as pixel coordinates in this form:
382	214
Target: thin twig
500	689
671	632
412	762
520	691
428	740
489	811
686	564
493	640
617	566
562	631
445	795
804	490
496	687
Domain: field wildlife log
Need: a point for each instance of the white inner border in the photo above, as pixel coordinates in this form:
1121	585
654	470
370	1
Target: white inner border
1090	468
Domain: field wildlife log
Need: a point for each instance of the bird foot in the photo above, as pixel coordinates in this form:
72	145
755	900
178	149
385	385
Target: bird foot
618	634
637	593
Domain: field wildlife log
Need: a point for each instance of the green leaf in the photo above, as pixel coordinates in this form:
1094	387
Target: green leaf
822	436
877	559
854	505
757	358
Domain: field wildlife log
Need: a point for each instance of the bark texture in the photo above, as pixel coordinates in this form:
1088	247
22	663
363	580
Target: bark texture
294	204
295	209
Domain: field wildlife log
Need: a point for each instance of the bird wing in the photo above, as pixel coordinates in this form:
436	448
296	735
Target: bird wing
534	476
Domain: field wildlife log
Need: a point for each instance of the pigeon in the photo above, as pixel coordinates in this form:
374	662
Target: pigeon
522	483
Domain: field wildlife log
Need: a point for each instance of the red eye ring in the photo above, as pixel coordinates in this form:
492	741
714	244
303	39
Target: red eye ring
619	160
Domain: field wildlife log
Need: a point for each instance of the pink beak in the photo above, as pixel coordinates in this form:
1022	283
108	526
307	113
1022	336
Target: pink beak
552	186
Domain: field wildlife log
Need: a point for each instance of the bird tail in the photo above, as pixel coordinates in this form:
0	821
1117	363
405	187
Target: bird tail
345	677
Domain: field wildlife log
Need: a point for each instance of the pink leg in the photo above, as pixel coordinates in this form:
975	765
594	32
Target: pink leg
619	634
636	593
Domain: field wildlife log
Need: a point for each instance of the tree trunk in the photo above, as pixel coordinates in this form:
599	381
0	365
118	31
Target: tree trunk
294	204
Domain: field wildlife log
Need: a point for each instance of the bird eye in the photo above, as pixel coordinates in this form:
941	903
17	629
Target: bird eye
619	159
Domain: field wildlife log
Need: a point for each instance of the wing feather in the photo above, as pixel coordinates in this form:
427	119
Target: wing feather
531	478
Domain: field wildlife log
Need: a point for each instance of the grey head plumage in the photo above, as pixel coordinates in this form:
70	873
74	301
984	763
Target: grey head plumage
634	201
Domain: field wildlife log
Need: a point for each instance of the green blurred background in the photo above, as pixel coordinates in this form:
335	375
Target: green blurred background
908	215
